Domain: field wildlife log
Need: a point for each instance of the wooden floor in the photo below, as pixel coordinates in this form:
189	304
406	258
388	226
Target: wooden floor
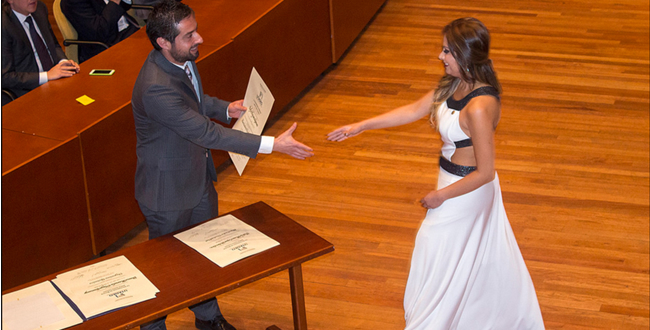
572	156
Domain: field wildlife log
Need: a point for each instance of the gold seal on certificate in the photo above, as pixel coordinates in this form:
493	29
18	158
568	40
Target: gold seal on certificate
259	101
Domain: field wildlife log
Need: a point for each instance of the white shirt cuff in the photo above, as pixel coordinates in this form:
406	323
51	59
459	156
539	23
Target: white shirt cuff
266	146
42	77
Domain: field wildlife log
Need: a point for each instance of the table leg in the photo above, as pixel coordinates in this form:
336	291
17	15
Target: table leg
298	298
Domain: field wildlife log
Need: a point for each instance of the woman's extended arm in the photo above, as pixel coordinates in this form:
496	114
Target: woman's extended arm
481	118
396	117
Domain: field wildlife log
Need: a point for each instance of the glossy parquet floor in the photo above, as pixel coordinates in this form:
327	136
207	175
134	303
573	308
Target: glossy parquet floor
572	157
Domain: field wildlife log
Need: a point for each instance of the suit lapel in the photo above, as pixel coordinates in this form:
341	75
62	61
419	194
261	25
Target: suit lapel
20	31
180	75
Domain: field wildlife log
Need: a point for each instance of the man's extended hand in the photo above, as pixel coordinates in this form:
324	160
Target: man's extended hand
286	144
236	109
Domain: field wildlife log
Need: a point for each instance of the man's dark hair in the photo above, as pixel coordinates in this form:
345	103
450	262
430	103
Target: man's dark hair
163	21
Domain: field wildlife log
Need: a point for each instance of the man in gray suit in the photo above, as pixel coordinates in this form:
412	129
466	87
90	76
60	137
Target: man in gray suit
31	55
175	171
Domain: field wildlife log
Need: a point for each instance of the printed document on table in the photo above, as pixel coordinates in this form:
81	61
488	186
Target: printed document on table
37	307
105	286
259	101
226	239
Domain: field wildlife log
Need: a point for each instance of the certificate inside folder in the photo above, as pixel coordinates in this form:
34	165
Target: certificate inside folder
105	286
226	239
76	296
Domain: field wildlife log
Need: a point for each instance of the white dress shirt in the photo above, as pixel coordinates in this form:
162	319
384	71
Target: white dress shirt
42	75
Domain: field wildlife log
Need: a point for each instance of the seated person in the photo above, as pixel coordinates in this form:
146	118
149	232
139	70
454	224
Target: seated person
144	13
31	55
99	20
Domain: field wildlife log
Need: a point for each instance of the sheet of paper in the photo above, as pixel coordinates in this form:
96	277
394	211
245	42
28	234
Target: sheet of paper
105	286
226	239
85	100
37	307
259	101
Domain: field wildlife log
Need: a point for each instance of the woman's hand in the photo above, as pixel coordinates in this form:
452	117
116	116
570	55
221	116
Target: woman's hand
345	132
432	200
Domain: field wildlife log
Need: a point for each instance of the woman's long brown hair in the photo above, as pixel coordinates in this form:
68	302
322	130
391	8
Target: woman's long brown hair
469	42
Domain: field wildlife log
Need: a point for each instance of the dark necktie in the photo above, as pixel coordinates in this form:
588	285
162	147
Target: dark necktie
41	49
188	72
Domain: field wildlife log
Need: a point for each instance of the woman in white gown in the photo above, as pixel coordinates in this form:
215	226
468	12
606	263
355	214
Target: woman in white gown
466	270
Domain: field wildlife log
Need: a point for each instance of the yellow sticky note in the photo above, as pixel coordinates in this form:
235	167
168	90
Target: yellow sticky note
85	100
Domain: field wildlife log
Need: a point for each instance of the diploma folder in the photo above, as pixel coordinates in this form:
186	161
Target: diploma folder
90	291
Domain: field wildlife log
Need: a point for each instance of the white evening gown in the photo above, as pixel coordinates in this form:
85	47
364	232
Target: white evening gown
466	270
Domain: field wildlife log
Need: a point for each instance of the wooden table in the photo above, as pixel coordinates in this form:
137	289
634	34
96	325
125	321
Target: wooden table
185	277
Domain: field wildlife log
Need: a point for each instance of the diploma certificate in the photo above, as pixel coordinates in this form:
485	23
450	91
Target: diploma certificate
226	239
105	286
259	101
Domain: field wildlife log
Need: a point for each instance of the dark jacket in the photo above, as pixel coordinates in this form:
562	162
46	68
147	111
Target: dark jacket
19	67
173	130
95	20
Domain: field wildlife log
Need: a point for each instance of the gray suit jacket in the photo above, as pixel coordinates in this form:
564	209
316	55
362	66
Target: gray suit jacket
174	131
19	68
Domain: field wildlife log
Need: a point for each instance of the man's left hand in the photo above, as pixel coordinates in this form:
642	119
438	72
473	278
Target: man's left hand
236	109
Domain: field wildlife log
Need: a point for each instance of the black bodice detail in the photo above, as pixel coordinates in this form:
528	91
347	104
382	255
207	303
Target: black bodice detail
459	105
463	143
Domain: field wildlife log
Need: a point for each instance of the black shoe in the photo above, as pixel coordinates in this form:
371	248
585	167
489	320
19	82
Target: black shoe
218	324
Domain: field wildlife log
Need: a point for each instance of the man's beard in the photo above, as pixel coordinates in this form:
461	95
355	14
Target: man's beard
183	57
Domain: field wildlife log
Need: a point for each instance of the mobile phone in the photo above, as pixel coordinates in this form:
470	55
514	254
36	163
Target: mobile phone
101	72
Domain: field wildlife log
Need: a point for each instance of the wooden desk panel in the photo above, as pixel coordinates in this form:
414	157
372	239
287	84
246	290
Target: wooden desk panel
185	277
44	216
18	148
348	19
223	76
221	20
109	157
289	47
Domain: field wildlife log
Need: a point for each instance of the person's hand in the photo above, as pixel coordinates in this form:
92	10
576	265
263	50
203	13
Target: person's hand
236	109
286	144
72	65
345	132
63	69
432	200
